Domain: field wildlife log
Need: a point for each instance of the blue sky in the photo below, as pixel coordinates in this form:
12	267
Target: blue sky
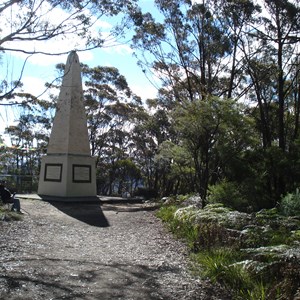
40	69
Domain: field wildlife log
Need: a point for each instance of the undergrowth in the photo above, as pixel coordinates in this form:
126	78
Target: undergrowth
183	230
220	265
7	215
212	258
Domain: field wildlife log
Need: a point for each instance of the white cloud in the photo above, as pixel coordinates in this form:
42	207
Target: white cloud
34	85
120	49
144	91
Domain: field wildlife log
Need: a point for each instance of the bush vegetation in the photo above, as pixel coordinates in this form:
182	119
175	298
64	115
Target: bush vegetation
246	255
228	193
290	204
7	215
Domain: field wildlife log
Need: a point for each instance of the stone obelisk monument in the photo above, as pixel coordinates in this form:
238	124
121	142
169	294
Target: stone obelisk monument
68	169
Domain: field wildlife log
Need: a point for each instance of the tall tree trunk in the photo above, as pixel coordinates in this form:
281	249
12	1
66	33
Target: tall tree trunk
297	103
281	135
280	85
232	73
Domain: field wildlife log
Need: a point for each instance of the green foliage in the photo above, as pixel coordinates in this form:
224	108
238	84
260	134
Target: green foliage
166	213
189	233
211	130
211	235
181	228
290	204
7	215
229	194
261	236
246	257
182	198
176	166
267	214
219	265
214	262
258	291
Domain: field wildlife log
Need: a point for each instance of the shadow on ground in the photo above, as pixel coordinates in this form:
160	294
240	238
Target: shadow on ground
89	213
128	207
71	279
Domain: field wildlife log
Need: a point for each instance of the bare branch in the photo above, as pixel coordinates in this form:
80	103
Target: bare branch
8	4
18	81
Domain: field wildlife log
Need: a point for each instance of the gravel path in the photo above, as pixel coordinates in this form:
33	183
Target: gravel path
88	251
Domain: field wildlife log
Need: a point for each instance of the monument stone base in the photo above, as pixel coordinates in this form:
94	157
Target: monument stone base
67	175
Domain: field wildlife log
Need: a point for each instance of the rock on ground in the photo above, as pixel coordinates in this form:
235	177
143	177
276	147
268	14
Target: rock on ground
92	251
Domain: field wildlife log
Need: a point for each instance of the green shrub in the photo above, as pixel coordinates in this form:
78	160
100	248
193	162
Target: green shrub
7	215
166	213
258	291
181	228
290	204
189	233
212	235
219	265
181	198
229	194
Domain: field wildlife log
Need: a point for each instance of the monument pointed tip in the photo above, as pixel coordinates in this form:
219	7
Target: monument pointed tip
73	56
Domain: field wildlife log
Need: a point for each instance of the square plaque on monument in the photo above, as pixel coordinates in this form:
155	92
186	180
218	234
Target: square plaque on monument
53	172
82	173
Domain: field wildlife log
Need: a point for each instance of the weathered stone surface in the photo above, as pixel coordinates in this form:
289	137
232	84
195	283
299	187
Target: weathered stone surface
68	170
69	132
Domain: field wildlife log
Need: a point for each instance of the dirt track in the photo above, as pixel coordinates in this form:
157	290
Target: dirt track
88	251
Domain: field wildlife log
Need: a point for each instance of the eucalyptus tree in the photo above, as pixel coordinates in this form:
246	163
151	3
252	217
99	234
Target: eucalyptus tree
213	132
185	48
111	112
151	129
281	33
29	138
190	46
236	17
5	156
271	58
176	168
28	135
105	90
231	49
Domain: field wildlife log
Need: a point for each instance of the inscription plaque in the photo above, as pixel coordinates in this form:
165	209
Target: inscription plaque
82	173
53	172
